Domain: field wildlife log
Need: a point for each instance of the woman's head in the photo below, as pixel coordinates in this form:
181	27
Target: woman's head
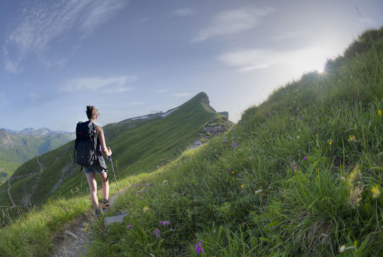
91	112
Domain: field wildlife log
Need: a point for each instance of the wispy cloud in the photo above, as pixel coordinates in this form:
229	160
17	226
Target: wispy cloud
48	20
33	97
161	90
182	94
253	59
104	85
233	22
183	12
143	20
291	34
2	98
137	103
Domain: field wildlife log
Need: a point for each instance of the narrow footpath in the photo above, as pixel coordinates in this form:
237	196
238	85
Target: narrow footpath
75	240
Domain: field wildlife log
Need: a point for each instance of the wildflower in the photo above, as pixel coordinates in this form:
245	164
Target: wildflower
342	178
330	142
138	195
258	191
302	117
233	178
170	229
380	113
138	192
228	171
297	109
293	167
234	144
375	192
242	186
355	175
141	197
157	233
53	213
352	139
307	98
232	172
164	182
232	138
205	154
355	196
305	158
224	141
297	137
198	248
342	248
67	209
166	223
197	184
161	222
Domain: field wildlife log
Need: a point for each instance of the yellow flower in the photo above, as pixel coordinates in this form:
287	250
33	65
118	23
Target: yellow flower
330	143
146	209
197	184
380	113
375	192
137	194
242	186
233	178
352	139
232	172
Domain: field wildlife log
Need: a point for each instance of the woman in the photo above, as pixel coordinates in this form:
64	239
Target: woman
92	114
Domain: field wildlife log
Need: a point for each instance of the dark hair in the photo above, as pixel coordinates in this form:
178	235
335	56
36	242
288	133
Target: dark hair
91	112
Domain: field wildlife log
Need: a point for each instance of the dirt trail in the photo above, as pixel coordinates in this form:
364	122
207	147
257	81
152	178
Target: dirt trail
74	241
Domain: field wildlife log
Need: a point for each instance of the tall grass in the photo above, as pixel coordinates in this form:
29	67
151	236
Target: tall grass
300	177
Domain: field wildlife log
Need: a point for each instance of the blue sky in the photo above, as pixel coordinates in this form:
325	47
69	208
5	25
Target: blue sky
129	58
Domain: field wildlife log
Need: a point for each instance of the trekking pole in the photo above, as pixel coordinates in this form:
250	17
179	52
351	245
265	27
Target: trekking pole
111	162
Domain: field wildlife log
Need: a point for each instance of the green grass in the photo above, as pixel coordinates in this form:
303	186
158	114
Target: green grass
292	187
7	170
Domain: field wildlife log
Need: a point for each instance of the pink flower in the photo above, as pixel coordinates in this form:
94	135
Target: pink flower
165	223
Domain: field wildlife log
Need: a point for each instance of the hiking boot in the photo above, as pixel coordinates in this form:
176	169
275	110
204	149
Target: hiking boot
105	205
97	212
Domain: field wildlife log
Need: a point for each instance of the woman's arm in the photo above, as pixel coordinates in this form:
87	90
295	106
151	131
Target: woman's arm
100	135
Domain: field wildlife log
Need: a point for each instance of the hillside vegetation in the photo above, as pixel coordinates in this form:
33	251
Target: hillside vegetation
301	176
19	147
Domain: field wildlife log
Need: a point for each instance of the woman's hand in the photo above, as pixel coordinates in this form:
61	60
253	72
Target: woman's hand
109	153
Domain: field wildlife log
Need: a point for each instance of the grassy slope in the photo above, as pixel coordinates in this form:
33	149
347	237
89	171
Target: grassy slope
300	148
8	168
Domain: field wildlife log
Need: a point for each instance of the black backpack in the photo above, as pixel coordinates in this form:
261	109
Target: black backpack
85	145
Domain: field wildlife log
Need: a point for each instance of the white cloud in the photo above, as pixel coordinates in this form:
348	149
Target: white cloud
182	94
2	98
304	59
33	97
49	20
162	90
137	103
104	85
233	22
183	12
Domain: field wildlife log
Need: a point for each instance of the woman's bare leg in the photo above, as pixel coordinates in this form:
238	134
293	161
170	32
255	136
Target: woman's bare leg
93	189
105	185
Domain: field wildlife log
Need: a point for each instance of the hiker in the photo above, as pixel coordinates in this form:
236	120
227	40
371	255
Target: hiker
99	167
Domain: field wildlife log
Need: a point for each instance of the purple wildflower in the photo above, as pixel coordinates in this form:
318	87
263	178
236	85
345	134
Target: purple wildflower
305	158
234	144
157	233
293	168
297	109
224	141
232	138
307	98
161	222
137	192
205	154
170	229
198	248
302	117
165	223
228	170
129	227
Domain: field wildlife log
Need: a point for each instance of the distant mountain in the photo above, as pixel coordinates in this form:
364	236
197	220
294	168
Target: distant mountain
37	132
18	147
